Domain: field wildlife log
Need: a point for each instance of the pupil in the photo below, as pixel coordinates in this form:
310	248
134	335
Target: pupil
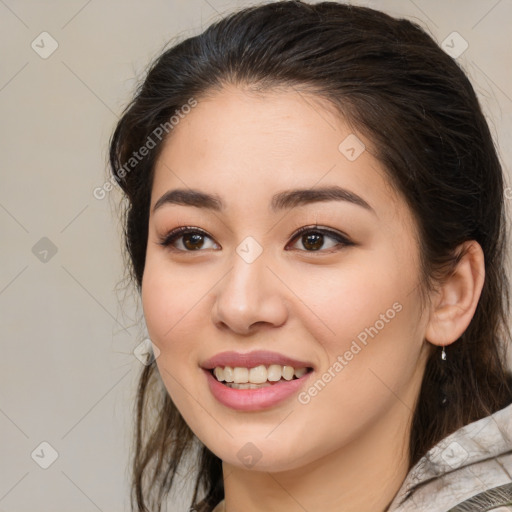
313	241
193	238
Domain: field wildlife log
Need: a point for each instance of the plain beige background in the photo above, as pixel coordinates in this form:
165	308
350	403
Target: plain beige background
67	365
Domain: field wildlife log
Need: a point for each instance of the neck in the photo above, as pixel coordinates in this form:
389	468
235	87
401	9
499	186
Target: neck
363	475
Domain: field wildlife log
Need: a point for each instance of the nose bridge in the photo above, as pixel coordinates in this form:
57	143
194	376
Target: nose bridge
250	293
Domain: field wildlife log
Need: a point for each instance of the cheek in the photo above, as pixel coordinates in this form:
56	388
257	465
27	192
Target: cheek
177	304
169	299
367	312
171	304
370	357
343	302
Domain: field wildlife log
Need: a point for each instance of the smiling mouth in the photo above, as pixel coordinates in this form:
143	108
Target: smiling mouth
257	377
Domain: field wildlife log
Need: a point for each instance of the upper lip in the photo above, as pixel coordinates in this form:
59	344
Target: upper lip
252	359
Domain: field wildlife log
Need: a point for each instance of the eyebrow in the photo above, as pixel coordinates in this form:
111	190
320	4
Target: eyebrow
280	201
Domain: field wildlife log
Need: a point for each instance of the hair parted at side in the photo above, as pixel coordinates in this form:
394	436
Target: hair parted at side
391	81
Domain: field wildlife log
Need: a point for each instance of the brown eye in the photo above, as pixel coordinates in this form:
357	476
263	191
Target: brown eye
193	241
313	241
317	239
187	239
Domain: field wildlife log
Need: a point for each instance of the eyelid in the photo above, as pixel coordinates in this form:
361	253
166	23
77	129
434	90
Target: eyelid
340	237
167	239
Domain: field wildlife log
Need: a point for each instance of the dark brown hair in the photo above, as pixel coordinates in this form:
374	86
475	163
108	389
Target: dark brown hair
391	81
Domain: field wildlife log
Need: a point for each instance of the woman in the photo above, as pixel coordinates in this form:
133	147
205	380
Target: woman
308	222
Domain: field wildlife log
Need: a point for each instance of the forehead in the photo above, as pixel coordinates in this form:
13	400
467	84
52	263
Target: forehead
249	145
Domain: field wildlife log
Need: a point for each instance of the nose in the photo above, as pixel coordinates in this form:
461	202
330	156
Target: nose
248	296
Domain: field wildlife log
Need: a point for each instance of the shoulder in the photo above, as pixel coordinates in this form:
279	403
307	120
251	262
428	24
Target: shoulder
497	499
468	471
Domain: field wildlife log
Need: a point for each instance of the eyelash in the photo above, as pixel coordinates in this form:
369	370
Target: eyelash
172	236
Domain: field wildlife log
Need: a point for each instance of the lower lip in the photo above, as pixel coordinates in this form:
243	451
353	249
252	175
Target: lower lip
254	399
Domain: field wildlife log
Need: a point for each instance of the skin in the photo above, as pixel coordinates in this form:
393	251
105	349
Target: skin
346	449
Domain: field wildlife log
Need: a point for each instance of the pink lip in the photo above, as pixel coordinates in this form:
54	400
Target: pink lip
254	399
252	359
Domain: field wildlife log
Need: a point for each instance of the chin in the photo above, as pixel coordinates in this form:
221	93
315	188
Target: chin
259	454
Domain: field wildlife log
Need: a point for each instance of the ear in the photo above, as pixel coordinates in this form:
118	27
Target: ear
455	302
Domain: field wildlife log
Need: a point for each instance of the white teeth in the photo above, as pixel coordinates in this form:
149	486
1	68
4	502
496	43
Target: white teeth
274	372
241	375
257	375
219	373
300	372
247	385
288	372
228	374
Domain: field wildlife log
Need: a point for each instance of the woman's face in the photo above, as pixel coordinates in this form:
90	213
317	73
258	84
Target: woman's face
341	299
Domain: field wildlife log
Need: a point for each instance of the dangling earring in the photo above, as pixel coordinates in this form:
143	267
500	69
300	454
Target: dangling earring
443	370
